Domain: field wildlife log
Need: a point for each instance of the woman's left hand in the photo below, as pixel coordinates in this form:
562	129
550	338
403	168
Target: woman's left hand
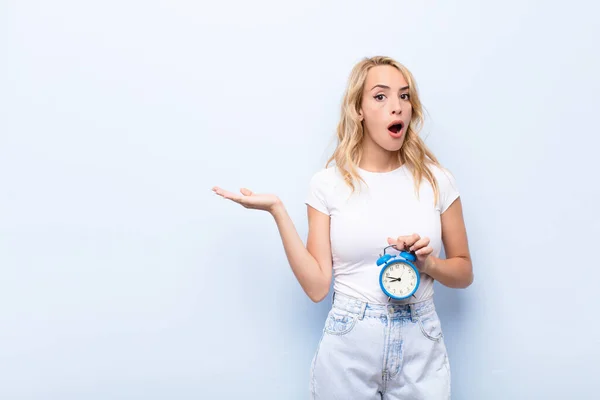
420	246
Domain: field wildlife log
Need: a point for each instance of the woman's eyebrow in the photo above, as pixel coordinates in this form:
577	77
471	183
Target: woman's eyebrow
379	85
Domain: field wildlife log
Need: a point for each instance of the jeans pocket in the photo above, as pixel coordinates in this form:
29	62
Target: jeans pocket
431	326
340	322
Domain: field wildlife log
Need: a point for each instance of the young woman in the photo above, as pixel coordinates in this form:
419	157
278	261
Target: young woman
384	189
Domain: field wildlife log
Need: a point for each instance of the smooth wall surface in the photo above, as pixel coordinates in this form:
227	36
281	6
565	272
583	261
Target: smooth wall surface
122	276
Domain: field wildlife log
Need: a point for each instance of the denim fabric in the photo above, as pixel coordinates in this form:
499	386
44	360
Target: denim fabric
380	351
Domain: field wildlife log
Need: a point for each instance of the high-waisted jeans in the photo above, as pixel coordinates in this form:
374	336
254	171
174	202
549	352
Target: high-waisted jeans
380	351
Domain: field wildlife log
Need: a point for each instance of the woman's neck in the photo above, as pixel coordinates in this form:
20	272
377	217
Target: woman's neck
377	159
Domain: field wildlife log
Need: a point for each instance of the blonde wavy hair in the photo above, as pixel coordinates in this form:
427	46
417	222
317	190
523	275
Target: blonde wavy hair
350	133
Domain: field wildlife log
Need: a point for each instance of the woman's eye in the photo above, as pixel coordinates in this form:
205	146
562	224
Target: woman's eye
379	97
405	96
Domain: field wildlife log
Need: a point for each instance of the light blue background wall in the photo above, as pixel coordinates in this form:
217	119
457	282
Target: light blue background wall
122	276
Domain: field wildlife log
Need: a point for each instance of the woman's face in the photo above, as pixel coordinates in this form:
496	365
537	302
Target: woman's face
386	110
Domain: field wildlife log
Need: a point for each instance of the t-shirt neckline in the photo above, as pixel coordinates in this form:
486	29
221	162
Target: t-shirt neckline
382	173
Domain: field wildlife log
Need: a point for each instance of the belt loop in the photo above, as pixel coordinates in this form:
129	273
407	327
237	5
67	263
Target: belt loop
413	313
363	307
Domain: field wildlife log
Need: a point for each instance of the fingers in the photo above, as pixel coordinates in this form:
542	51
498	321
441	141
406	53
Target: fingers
399	242
424	251
240	199
404	242
420	244
421	248
227	194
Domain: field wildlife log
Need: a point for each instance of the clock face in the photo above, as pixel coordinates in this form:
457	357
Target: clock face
399	279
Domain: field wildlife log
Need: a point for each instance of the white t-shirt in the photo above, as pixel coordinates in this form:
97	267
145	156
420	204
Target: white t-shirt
362	221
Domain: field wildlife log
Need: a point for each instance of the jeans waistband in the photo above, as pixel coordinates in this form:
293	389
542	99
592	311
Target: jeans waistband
356	306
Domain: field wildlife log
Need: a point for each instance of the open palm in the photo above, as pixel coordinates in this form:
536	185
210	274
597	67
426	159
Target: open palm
248	199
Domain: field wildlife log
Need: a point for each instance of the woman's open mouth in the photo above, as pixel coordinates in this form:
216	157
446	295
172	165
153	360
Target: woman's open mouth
395	129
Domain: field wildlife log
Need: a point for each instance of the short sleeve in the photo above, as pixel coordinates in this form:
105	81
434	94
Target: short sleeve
448	189
317	189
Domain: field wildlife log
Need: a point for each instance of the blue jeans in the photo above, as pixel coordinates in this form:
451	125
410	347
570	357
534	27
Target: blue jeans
380	351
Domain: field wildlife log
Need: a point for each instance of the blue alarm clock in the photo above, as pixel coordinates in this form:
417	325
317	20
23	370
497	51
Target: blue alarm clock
399	278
